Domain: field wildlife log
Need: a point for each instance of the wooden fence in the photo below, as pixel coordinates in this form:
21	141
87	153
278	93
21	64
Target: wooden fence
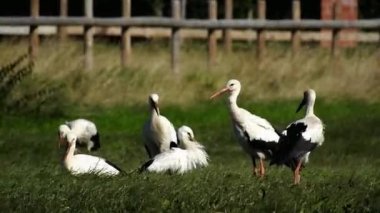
176	23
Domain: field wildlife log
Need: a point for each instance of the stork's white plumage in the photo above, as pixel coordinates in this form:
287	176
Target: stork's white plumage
253	132
178	160
300	138
86	164
85	131
158	131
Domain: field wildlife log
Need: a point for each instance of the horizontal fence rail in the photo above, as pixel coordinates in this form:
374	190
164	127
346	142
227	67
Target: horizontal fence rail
194	23
198	34
175	25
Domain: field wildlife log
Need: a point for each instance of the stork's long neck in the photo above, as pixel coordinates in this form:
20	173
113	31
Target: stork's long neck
310	108
232	103
155	119
69	153
153	113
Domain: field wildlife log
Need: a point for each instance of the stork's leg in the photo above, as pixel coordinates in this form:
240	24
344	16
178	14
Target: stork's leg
297	175
254	170
262	168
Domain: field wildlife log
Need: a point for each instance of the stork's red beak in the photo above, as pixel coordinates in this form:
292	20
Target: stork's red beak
219	93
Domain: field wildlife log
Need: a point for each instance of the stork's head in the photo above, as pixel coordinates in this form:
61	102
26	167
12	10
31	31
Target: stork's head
308	99
153	102
63	130
233	86
185	134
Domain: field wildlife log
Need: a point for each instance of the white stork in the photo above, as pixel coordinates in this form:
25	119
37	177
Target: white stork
85	131
178	160
253	132
86	164
300	138
158	131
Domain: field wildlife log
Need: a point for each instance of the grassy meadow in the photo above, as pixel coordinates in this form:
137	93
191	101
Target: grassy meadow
343	175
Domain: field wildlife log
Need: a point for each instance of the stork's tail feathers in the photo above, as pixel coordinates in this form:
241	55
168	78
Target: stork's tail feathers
116	167
283	156
265	146
145	166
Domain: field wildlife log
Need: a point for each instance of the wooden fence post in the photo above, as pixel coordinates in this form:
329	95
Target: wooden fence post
228	14
175	37
63	12
126	47
212	40
88	36
296	40
33	33
261	11
335	34
183	9
250	17
183	15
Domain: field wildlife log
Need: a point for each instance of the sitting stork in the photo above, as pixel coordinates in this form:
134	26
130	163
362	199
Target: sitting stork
300	138
178	160
85	131
78	164
252	132
158	131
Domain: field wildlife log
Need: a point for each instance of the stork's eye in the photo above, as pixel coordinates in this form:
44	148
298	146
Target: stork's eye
231	85
188	134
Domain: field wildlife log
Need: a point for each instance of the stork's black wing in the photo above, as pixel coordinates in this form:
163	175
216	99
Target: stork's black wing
293	146
96	140
267	147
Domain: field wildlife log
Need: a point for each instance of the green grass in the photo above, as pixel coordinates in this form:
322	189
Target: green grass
342	176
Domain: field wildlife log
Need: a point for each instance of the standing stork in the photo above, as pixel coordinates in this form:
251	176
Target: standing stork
178	160
85	131
300	138
158	131
253	132
78	164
